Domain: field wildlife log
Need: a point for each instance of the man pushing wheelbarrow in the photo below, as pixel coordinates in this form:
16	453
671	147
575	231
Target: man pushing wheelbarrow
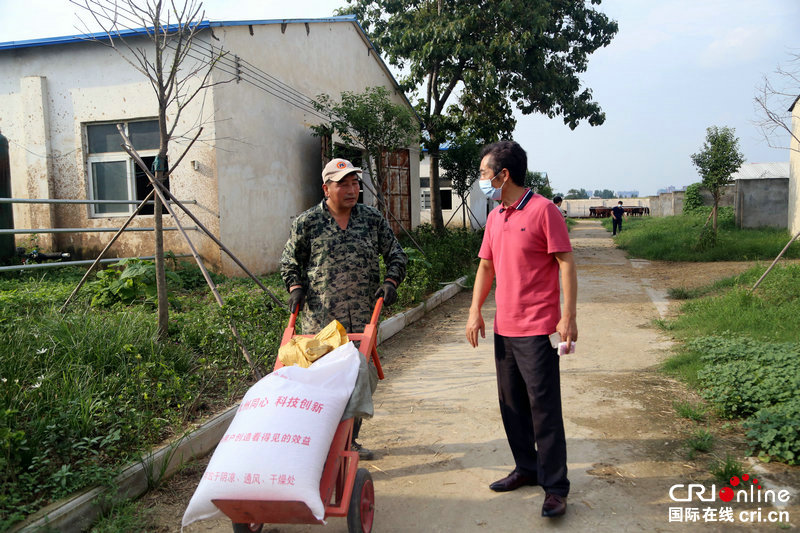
330	263
288	457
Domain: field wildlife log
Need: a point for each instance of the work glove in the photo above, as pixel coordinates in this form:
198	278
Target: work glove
296	299
388	292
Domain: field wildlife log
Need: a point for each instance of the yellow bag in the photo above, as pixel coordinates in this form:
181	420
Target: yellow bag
302	351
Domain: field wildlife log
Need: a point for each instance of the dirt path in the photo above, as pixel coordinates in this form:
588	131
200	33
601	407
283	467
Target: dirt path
440	442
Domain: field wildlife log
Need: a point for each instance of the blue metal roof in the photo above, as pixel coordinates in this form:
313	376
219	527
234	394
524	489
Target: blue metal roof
67	39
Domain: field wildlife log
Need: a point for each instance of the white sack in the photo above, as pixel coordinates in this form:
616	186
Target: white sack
276	445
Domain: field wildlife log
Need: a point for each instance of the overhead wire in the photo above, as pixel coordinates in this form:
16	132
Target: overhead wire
236	66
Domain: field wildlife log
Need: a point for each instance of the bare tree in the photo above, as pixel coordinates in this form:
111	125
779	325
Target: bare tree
177	74
776	97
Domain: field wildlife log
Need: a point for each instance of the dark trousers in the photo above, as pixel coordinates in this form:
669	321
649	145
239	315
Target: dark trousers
616	225
529	389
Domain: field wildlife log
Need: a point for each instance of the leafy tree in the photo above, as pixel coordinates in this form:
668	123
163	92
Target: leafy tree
692	199
539	183
461	161
605	194
371	122
716	162
576	194
492	54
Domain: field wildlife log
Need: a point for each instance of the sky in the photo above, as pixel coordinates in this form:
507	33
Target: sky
675	68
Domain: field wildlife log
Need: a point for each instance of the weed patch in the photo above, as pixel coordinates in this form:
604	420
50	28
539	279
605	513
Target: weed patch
724	469
742	351
701	441
690	411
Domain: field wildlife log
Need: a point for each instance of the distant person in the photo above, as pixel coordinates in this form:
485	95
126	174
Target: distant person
617	212
558	200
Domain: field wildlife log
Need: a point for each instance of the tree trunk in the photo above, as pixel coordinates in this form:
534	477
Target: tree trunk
161	276
436	206
714	215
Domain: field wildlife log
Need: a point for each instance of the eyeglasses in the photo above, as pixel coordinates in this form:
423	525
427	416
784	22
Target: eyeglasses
485	176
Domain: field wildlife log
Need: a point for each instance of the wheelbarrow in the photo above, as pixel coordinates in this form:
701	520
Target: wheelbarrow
345	489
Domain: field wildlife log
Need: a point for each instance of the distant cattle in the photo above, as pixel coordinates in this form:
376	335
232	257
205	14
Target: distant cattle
602	211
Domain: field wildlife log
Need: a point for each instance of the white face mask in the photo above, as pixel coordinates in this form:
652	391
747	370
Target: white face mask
489	190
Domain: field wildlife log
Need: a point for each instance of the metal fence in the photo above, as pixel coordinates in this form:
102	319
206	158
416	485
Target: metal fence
27	231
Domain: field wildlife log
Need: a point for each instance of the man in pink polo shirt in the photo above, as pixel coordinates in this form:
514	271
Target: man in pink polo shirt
526	246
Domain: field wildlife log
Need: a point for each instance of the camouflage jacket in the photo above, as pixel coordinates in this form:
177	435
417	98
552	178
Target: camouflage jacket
339	269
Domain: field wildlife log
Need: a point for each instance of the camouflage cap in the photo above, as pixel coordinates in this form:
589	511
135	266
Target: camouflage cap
337	169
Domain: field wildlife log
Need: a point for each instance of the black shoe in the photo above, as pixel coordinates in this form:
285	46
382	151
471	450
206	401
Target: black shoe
554	505
363	453
513	481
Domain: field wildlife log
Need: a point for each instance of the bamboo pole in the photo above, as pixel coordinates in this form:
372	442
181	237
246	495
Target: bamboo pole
157	187
764	275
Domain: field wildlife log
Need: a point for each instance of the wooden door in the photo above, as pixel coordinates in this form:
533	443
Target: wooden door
397	189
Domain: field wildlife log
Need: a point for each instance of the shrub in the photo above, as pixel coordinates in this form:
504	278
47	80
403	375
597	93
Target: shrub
136	281
692	199
419	280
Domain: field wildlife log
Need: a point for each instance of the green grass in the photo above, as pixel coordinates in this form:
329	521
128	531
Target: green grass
123	517
770	313
84	392
689	410
701	441
724	469
676	238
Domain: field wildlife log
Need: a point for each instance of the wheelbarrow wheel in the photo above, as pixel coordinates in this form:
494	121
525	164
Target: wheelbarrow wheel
247	528
361	511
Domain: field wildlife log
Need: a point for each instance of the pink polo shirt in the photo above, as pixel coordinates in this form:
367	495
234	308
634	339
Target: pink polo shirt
520	242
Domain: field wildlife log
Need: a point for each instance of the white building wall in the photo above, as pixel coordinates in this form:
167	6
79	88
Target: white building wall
476	200
47	96
794	173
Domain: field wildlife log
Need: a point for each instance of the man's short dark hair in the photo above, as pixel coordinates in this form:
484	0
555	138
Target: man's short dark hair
620	202
508	155
557	199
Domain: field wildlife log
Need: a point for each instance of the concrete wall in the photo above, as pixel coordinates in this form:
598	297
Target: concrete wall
667	204
794	173
580	208
762	203
47	96
256	167
726	199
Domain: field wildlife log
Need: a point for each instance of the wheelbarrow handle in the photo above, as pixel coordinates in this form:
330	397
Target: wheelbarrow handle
293	318
376	313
